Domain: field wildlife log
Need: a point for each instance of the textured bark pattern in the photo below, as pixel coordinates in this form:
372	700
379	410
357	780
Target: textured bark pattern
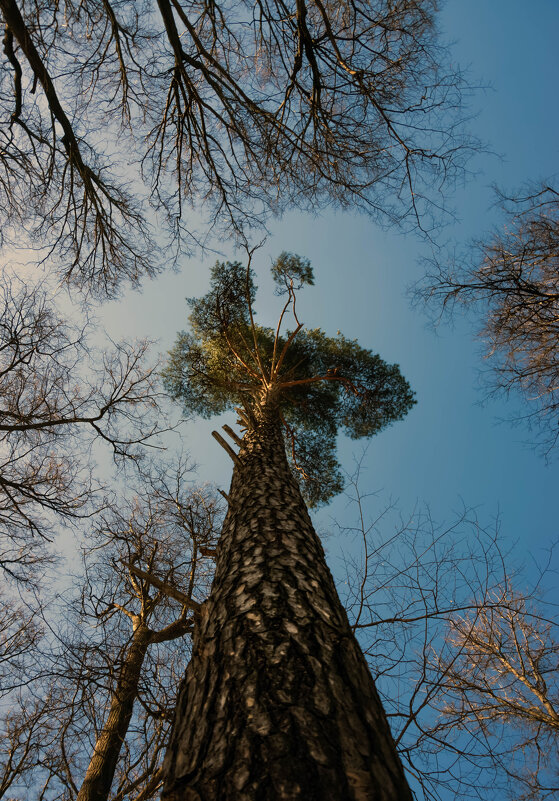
277	702
100	773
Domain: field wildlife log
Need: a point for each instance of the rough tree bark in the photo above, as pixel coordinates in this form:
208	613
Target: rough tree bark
277	701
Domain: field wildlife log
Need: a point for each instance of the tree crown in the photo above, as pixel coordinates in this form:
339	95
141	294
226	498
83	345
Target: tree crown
512	278
243	109
320	384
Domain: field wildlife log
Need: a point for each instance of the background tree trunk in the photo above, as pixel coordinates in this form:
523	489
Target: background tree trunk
100	773
277	702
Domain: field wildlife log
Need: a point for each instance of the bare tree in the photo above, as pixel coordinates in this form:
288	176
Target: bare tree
465	666
247	108
164	541
512	280
20	633
21	636
501	681
57	398
93	726
22	743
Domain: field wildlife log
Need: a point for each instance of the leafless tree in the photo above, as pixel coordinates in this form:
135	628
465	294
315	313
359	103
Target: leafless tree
244	108
501	682
162	540
22	743
420	595
58	396
21	635
101	711
512	280
20	632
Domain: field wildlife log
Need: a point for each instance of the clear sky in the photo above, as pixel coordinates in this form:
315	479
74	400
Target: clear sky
450	448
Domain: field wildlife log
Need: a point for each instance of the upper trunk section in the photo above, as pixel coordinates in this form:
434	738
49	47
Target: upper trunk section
277	702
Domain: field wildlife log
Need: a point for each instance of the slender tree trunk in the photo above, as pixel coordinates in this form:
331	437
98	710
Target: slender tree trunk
100	773
277	702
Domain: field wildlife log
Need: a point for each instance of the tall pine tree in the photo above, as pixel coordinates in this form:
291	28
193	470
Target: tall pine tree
277	701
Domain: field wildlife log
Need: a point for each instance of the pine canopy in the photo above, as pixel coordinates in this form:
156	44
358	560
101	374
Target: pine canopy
320	384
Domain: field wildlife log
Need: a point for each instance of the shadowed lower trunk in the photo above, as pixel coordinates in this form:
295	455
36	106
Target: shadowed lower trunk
100	773
277	702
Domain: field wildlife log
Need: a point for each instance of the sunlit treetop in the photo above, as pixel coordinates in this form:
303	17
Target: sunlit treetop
319	384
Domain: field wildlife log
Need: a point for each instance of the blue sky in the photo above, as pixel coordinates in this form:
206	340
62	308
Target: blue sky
451	448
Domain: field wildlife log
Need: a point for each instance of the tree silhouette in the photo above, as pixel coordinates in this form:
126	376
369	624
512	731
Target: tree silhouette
88	682
242	109
461	645
511	278
58	396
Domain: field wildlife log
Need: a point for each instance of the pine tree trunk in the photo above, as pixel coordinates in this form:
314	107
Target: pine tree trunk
277	701
100	773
